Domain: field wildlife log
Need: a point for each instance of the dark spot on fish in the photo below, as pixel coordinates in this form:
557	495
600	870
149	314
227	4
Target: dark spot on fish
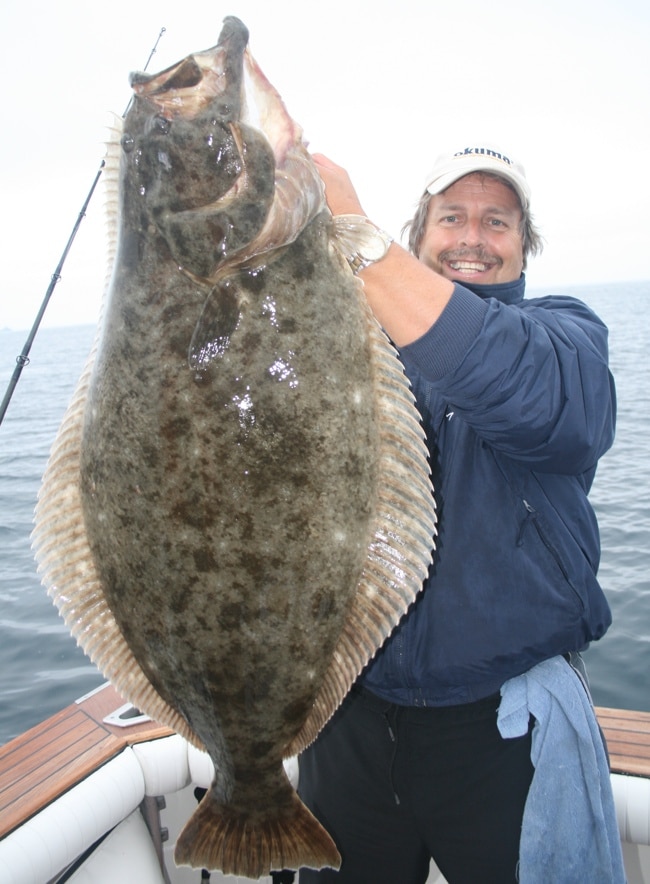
251	342
180	600
297	711
246	526
355	466
180	629
254	280
323	605
151	455
302	262
176	428
132	247
171	314
287	325
193	514
296	527
130	317
257	565
231	616
247	775
258	688
262	747
204	560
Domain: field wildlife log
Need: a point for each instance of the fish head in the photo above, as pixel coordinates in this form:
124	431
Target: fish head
208	153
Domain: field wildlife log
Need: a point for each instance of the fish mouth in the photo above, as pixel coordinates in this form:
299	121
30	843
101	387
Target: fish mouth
217	159
225	80
184	90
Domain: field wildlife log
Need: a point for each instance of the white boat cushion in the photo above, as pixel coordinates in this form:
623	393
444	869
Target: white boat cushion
164	764
201	767
632	799
48	842
126	855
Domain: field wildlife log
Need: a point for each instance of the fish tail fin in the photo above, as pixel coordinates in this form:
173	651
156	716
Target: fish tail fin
238	840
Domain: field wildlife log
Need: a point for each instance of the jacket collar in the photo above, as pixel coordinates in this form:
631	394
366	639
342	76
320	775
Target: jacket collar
506	292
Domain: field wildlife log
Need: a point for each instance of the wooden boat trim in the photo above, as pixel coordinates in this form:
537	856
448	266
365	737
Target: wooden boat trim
54	756
627	734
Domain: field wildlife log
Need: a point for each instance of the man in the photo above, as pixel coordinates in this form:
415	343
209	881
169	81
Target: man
518	405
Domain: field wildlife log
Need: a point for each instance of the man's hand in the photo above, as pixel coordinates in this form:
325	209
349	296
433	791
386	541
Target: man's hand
406	296
340	194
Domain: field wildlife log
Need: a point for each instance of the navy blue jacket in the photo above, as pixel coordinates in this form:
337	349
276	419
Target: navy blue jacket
518	405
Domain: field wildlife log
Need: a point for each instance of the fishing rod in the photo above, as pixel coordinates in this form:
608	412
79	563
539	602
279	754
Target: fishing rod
23	358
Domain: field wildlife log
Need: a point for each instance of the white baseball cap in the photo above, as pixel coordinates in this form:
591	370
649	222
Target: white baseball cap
450	167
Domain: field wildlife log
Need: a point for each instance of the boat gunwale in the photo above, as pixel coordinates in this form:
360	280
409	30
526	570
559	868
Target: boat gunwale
44	762
51	758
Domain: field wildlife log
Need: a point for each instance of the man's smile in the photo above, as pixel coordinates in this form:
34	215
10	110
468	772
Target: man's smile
469	266
468	262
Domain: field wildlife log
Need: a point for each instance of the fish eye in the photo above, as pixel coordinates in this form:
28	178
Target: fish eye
159	125
128	142
224	110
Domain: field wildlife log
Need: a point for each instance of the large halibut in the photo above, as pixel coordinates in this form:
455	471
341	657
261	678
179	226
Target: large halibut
237	509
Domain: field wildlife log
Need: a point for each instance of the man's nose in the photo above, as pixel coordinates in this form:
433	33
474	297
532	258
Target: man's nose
472	234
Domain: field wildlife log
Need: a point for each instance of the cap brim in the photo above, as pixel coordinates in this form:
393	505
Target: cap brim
459	167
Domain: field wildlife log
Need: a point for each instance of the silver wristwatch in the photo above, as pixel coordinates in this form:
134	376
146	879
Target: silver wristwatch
361	242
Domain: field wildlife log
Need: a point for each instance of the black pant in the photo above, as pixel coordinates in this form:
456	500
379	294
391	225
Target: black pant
395	786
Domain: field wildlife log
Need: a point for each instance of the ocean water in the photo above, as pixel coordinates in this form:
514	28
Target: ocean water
41	668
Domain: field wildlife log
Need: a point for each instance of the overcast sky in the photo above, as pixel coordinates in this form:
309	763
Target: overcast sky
381	86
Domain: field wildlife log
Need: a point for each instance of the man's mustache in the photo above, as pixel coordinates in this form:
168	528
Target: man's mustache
477	255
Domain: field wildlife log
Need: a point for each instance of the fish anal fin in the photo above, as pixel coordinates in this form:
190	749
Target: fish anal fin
239	841
400	541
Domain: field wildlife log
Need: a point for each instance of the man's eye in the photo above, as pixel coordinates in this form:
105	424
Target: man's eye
496	222
450	219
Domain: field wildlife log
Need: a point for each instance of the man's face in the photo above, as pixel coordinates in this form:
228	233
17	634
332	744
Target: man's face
472	232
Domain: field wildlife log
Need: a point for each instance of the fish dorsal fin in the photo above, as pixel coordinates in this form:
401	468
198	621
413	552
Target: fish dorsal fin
401	536
59	538
111	182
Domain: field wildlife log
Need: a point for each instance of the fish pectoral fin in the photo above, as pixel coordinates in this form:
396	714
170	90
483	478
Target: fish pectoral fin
239	839
217	323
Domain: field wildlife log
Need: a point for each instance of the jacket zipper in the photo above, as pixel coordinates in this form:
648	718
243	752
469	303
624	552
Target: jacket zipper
531	516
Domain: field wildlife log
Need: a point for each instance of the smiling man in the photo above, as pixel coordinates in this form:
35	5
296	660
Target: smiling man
472	234
422	759
477	224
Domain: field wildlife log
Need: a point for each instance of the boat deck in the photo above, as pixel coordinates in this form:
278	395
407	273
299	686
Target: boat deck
627	734
52	757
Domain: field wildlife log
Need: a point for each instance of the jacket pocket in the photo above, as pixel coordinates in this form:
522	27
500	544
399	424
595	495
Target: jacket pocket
533	521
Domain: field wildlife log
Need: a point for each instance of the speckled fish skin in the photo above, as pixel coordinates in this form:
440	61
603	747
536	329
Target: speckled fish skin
230	464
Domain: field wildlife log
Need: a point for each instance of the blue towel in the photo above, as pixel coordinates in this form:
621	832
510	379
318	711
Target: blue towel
569	831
